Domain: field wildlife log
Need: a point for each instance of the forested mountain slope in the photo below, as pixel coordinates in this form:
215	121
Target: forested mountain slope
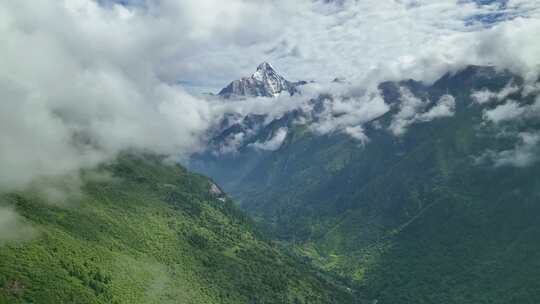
428	210
146	232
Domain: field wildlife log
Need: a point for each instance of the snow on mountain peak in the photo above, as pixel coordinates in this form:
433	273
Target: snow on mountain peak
265	69
264	82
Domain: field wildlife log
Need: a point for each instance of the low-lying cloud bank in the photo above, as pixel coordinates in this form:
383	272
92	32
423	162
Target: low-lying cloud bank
81	80
77	86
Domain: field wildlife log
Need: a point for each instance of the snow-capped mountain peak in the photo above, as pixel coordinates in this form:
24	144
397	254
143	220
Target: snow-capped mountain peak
265	82
264	69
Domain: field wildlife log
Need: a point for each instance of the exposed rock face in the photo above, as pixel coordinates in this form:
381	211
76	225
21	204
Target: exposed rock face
214	189
264	82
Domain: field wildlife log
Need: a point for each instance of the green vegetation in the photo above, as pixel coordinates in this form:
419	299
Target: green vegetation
146	232
410	219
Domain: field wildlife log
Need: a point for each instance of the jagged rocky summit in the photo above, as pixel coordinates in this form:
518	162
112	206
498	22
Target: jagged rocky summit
265	82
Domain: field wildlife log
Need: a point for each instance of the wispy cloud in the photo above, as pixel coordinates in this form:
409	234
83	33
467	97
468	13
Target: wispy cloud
524	153
273	143
413	109
484	95
512	111
13	227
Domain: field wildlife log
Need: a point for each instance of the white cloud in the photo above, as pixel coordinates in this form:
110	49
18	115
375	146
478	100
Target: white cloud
527	149
445	107
409	107
531	89
523	154
273	143
357	132
231	144
513	111
412	109
484	96
78	85
81	81
508	111
13	227
373	40
345	112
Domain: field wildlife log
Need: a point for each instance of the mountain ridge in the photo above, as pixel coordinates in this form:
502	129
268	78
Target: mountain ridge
150	232
410	216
